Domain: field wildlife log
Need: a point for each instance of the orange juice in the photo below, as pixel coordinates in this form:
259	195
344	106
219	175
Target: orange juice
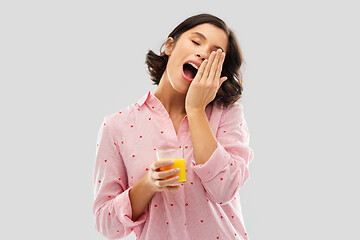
179	163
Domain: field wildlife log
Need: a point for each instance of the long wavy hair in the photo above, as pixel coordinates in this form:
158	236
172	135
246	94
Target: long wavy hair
230	91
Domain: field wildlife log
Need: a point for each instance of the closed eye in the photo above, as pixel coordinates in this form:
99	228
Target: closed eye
195	42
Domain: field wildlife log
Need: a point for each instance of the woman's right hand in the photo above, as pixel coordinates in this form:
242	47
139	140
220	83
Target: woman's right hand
155	177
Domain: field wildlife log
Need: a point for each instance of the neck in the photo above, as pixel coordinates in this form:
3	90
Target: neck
173	101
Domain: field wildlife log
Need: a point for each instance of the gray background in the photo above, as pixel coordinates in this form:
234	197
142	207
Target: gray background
64	65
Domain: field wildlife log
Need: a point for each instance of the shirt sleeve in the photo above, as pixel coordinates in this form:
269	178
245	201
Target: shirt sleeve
227	169
112	206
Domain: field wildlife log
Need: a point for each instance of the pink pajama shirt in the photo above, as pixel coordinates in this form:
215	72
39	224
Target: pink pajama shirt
206	207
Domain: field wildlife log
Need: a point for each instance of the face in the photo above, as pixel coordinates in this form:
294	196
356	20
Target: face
192	46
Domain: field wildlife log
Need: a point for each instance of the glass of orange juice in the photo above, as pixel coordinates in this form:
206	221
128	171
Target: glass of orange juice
176	154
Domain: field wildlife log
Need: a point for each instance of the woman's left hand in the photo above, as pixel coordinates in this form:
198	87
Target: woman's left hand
206	83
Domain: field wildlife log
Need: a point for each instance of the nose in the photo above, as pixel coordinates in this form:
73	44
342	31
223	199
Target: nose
202	58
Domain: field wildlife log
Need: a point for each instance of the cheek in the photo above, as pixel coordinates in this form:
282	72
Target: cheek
185	49
183	53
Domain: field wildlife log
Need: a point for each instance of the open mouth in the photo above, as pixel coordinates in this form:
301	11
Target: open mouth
189	71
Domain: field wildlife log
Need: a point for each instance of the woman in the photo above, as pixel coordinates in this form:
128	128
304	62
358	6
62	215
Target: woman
193	107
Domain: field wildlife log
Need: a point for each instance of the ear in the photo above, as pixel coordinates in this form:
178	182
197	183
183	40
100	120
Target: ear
169	45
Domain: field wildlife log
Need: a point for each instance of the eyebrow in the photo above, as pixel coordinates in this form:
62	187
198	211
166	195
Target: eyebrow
203	37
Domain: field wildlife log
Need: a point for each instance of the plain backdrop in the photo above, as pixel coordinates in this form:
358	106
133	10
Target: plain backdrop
64	65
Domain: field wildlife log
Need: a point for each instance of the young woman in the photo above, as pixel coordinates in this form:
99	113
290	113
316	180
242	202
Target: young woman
194	107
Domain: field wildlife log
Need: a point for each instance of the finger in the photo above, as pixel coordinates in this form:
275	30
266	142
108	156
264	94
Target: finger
219	68
163	183
223	79
175	184
159	184
156	175
201	70
174	188
153	167
208	66
169	173
211	80
173	181
162	163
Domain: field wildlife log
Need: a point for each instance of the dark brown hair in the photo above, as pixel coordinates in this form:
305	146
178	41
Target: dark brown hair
230	91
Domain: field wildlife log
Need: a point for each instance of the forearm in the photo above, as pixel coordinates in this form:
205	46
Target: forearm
140	195
203	139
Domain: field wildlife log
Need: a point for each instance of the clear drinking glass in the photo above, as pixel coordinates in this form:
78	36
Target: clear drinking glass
176	154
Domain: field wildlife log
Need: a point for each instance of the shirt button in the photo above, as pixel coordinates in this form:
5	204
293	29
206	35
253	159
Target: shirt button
208	172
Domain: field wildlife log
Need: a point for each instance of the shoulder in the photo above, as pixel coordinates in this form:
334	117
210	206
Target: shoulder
119	118
232	109
231	115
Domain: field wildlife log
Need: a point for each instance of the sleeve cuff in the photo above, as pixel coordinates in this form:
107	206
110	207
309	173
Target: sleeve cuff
216	163
123	210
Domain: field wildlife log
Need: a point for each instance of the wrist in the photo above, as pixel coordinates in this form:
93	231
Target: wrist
194	111
147	185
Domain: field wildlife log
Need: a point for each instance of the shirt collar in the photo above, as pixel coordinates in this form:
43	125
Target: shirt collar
144	98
